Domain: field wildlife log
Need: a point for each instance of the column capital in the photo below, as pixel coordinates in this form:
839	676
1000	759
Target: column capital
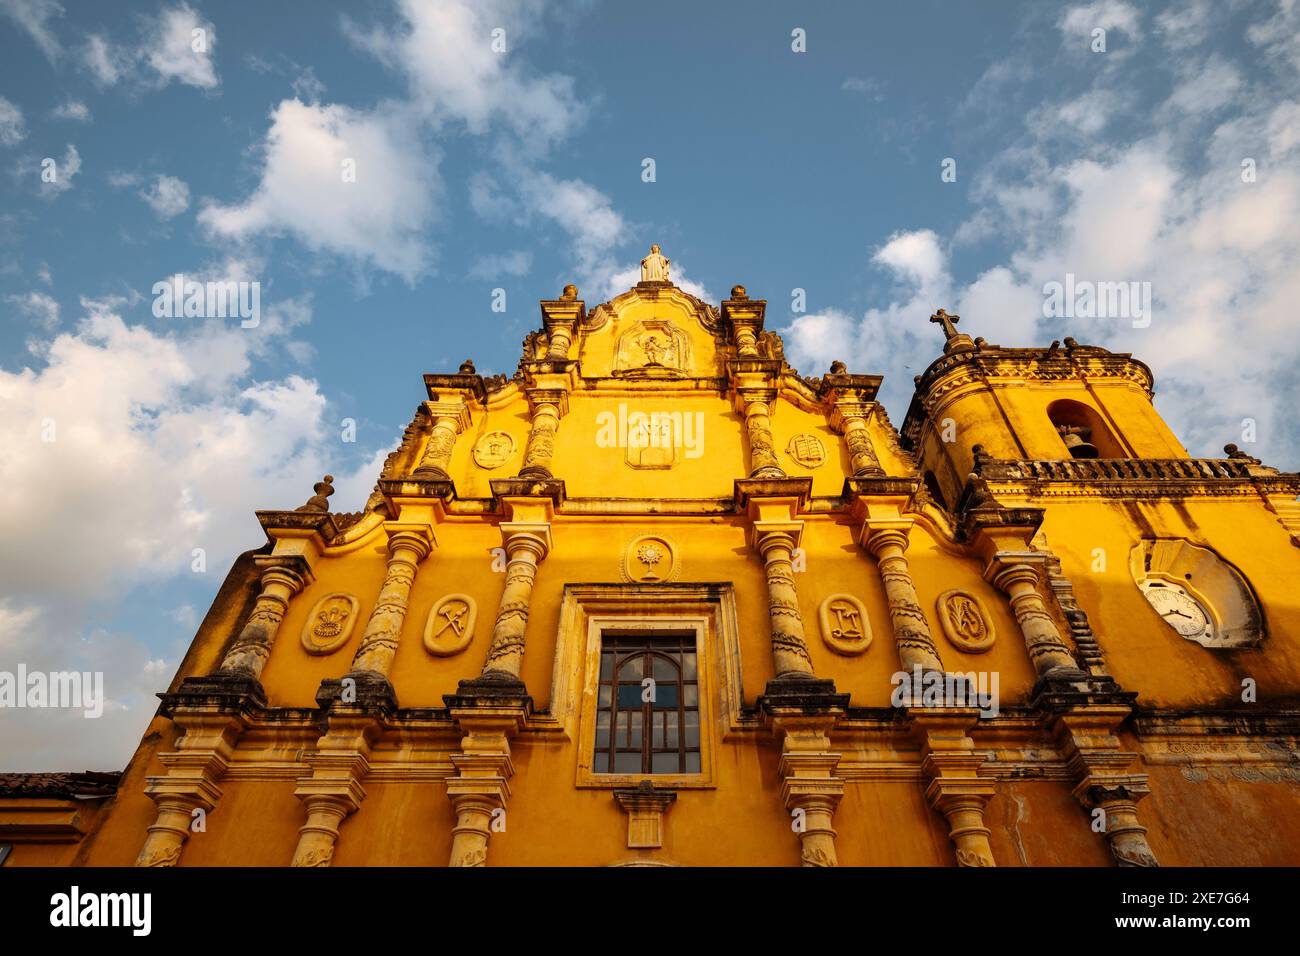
557	398
879	533
455	413
764	535
530	536
843	413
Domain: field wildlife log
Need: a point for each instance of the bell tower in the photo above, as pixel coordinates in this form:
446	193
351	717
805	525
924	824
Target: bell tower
1053	403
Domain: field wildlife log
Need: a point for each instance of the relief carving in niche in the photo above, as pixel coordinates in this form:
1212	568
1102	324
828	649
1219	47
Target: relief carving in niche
494	449
650	559
965	621
330	623
844	624
653	348
450	627
807	450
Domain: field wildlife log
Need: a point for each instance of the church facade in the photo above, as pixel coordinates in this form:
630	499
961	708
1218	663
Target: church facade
658	599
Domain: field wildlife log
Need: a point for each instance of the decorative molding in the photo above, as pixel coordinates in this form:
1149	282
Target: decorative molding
845	627
330	623
450	625
966	622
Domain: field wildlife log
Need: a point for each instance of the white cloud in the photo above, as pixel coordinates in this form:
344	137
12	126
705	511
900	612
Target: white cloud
74	110
63	172
1077	23
1184	25
380	218
180	46
1207	86
12	127
105	63
167	196
445	49
39	307
516	263
34	17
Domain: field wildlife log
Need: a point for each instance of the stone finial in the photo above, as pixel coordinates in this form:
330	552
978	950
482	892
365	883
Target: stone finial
320	500
838	368
1054	347
1071	342
570	292
980	458
738	292
1232	451
467	367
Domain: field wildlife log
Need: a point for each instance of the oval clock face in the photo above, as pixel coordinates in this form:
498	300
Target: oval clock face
1178	609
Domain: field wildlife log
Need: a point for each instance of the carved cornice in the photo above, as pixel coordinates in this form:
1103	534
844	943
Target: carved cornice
1138	478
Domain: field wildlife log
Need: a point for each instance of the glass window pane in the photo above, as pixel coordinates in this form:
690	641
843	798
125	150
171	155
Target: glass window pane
691	695
627	763
665	763
621	734
603	695
602	719
632	668
606	665
666	696
634	732
657	739
629	696
601	763
692	763
692	730
663	669
688	665
670	736
602	738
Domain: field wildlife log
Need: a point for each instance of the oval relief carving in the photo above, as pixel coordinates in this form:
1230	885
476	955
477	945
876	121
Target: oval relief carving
650	559
807	449
965	621
450	626
330	623
844	624
494	449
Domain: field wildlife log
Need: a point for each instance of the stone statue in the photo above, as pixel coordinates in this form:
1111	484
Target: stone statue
654	267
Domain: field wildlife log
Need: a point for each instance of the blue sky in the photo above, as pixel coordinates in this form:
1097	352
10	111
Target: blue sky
479	169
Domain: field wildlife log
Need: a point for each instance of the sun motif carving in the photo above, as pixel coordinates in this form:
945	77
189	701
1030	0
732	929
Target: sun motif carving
650	559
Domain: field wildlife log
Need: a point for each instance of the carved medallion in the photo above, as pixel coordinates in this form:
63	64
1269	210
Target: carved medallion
807	450
450	626
330	623
965	622
845	627
650	559
494	449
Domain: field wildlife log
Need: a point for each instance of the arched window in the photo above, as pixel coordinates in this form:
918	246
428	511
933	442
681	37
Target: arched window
648	707
1082	431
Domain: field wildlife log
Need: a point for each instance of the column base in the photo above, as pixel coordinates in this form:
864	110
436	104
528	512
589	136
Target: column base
491	688
370	691
803	692
222	691
1063	689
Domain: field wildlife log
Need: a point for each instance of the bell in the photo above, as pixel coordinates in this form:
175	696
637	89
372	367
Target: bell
1079	446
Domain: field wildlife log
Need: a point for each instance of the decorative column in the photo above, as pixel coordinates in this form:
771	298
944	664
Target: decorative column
809	788
526	544
745	315
282	578
1087	735
407	547
561	318
338	765
850	420
481	788
755	403
449	420
887	540
203	752
1047	651
548	406
951	765
775	540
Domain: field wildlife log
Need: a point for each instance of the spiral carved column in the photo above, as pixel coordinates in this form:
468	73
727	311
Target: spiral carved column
911	630
548	406
763	462
789	648
1047	650
850	419
449	420
525	549
406	549
249	653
